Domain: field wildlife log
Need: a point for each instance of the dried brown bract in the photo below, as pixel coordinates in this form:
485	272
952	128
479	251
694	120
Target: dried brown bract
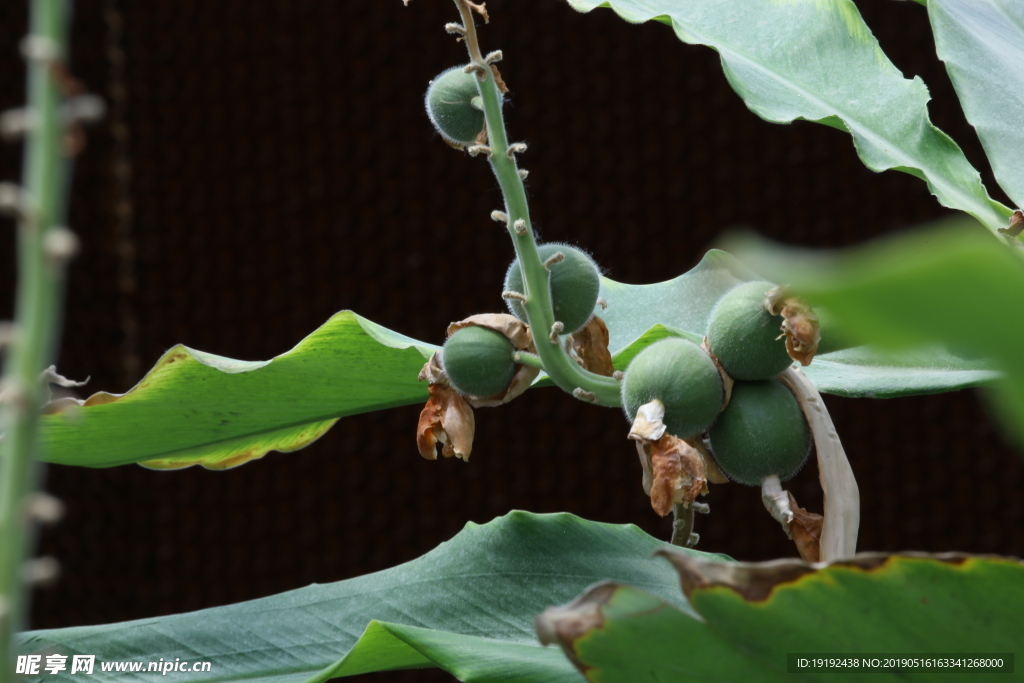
589	345
446	418
805	529
799	324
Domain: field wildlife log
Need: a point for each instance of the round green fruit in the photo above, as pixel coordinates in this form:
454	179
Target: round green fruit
575	283
683	377
453	105
745	337
478	361
762	432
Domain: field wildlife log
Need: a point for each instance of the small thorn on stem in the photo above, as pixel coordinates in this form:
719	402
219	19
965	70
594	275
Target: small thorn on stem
481	72
584	395
40	571
44	508
59	245
523	173
602	303
618	375
557	257
520	227
702	508
556	330
515	148
455	29
14	201
693	540
479	149
509	294
493	57
499	216
40	49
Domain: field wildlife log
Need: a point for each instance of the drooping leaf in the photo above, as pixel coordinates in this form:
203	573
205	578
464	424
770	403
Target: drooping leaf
818	61
982	44
950	285
198	408
753	616
467	606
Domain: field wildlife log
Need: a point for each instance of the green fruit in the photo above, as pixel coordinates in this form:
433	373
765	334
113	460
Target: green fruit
453	105
745	337
762	432
575	283
683	377
478	361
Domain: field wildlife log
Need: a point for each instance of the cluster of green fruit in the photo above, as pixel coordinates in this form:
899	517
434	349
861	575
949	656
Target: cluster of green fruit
760	432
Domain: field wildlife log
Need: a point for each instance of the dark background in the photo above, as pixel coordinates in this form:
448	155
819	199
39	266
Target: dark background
267	163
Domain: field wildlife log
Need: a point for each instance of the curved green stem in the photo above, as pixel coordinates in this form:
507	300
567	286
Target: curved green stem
42	252
563	370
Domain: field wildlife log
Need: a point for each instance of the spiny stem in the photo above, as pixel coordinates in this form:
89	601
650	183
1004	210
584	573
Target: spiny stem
40	280
562	369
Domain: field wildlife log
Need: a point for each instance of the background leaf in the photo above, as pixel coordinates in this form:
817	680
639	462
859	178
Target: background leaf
818	61
467	606
950	285
982	44
900	604
195	408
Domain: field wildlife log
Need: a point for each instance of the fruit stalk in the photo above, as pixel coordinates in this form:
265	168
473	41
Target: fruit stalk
842	496
43	249
562	369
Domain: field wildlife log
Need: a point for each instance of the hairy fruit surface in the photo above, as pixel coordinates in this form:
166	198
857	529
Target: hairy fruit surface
478	361
575	284
683	377
453	105
762	432
745	337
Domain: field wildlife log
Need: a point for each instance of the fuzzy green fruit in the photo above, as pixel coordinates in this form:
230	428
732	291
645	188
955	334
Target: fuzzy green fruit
575	283
678	373
478	361
744	336
453	105
762	432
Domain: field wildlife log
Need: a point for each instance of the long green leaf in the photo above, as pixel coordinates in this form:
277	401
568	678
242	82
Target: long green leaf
196	408
467	606
818	61
950	285
753	616
982	44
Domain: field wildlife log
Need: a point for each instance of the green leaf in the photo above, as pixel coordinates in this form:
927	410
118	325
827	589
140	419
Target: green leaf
467	606
752	615
639	315
197	408
982	44
950	285
194	408
818	61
